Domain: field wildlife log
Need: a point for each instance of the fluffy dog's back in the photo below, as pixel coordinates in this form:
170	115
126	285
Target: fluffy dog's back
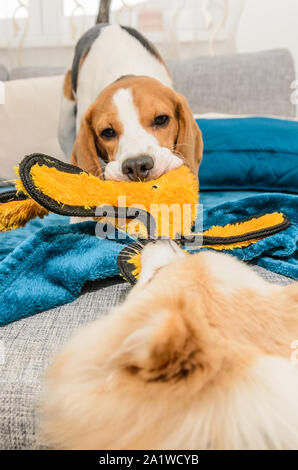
197	357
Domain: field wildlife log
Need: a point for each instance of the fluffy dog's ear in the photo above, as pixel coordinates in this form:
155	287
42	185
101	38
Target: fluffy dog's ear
166	347
85	153
189	140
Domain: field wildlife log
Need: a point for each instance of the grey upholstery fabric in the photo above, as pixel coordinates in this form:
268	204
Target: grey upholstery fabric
4	75
272	277
29	345
257	83
29	72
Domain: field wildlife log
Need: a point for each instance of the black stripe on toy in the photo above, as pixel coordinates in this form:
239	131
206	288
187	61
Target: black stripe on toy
125	267
129	213
13	195
264	232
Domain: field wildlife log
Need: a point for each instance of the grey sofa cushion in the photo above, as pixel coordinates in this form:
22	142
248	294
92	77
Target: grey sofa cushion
257	83
29	72
29	345
4	75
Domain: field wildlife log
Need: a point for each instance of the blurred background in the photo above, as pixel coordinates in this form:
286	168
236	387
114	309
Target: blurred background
43	32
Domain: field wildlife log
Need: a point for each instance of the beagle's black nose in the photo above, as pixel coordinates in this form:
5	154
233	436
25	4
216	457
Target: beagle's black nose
137	168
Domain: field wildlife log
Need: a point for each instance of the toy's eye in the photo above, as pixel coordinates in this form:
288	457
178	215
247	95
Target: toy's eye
161	120
155	186
108	133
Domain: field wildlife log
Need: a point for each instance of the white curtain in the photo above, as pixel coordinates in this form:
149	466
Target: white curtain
179	28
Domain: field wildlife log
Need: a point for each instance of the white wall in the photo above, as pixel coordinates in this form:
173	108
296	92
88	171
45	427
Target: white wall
269	24
264	24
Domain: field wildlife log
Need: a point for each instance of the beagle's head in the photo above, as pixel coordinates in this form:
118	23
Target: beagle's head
140	129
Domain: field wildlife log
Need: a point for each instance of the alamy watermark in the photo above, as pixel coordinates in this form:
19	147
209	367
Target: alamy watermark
157	221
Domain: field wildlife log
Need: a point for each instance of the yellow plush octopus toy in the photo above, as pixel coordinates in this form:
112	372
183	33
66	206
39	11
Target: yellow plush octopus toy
165	207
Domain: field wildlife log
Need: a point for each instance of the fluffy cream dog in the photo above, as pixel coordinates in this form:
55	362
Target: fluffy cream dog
197	357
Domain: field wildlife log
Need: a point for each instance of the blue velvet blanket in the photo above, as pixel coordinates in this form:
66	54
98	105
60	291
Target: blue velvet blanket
42	268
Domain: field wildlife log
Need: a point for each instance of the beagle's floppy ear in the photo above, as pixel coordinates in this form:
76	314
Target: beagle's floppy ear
85	153
189	139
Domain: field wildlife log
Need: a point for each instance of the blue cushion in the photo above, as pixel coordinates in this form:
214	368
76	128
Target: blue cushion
254	153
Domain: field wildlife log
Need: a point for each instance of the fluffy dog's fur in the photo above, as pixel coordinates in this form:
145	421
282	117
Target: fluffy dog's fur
197	357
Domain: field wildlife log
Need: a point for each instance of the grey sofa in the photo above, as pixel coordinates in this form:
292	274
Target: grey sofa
249	83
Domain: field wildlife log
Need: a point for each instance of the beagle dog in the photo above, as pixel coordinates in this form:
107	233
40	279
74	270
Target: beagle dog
120	118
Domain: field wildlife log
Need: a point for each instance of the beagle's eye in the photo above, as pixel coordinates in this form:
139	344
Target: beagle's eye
108	133
161	120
